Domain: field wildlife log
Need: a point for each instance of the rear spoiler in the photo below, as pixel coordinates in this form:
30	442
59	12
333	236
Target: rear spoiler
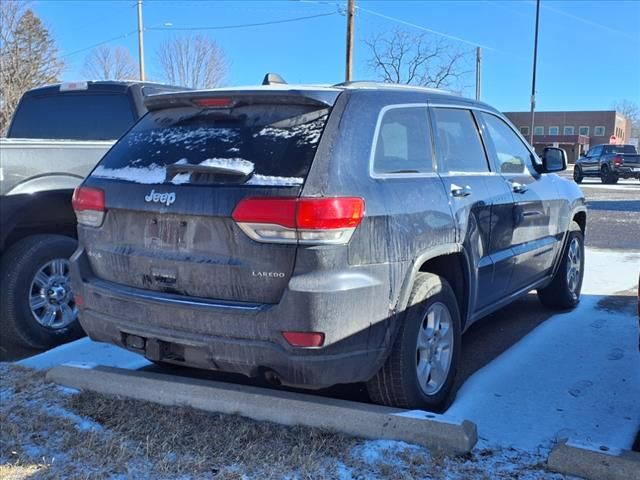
234	98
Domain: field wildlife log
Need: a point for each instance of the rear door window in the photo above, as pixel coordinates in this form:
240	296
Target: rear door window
73	116
458	144
402	144
273	144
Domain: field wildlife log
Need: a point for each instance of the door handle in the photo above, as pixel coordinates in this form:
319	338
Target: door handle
458	191
518	187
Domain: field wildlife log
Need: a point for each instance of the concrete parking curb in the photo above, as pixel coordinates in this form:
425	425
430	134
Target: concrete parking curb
287	408
593	463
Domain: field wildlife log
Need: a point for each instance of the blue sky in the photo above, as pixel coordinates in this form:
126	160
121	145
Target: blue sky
589	51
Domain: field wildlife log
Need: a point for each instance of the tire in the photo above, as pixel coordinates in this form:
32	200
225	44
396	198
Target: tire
397	382
607	176
47	257
563	292
577	174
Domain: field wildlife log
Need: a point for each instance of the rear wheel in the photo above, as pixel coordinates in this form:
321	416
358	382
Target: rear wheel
564	290
607	175
423	361
38	308
577	174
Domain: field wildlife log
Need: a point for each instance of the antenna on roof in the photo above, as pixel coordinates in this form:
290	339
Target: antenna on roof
273	79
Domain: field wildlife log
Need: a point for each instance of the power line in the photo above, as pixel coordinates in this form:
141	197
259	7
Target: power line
221	27
404	22
420	27
247	25
98	44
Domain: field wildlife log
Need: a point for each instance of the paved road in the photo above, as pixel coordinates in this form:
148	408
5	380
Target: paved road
613	220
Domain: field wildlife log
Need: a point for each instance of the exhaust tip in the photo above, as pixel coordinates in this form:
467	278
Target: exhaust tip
272	378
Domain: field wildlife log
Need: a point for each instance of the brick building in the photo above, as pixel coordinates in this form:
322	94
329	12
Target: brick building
573	131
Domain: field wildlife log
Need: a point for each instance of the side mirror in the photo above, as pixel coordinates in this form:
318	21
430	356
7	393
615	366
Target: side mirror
554	160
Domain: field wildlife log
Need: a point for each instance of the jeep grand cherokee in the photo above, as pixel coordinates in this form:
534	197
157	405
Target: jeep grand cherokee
321	235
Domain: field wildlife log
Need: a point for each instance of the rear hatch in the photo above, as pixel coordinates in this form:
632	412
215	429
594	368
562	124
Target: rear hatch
171	185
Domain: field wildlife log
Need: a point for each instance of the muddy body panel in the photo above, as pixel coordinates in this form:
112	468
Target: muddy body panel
350	305
174	273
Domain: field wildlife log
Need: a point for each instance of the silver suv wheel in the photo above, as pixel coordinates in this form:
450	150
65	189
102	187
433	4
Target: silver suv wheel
51	296
574	264
434	349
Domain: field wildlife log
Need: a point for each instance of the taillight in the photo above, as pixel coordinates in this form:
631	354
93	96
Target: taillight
88	203
304	339
617	161
300	220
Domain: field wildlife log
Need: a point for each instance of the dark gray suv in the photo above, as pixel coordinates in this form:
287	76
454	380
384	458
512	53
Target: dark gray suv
321	235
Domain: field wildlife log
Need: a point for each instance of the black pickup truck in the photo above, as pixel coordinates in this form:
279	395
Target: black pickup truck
57	135
609	163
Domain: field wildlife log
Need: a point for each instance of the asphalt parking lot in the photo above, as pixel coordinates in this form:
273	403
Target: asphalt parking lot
614	213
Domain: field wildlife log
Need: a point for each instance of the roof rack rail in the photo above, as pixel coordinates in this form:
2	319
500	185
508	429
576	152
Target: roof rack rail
355	82
273	79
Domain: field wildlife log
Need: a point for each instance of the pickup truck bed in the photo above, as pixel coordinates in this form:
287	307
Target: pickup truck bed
67	163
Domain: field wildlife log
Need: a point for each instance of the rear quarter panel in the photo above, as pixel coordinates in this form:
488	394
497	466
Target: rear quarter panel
404	217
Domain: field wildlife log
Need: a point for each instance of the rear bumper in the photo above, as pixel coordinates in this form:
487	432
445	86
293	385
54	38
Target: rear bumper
628	172
351	309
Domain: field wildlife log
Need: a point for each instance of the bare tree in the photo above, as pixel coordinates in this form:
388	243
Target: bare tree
110	63
194	61
631	111
28	56
401	57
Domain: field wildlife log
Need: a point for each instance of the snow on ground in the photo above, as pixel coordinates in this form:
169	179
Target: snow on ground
86	353
576	376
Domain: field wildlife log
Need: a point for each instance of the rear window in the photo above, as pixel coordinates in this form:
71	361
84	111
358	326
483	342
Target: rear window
272	144
620	149
73	116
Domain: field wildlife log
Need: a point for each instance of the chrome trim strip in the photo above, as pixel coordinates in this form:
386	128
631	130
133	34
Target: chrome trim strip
170	299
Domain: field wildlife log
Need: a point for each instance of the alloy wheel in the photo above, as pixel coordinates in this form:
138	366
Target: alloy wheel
434	348
574	265
51	297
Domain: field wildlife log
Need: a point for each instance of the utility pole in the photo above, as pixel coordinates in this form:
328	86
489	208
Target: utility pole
533	82
478	60
350	13
140	40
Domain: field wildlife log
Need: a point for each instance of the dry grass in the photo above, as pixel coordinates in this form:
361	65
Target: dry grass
49	433
132	438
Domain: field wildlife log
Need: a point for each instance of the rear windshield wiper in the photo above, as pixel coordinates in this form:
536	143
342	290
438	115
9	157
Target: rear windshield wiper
209	173
299	119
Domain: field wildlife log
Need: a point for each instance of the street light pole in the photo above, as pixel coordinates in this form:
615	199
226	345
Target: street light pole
533	82
349	58
478	61
140	40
